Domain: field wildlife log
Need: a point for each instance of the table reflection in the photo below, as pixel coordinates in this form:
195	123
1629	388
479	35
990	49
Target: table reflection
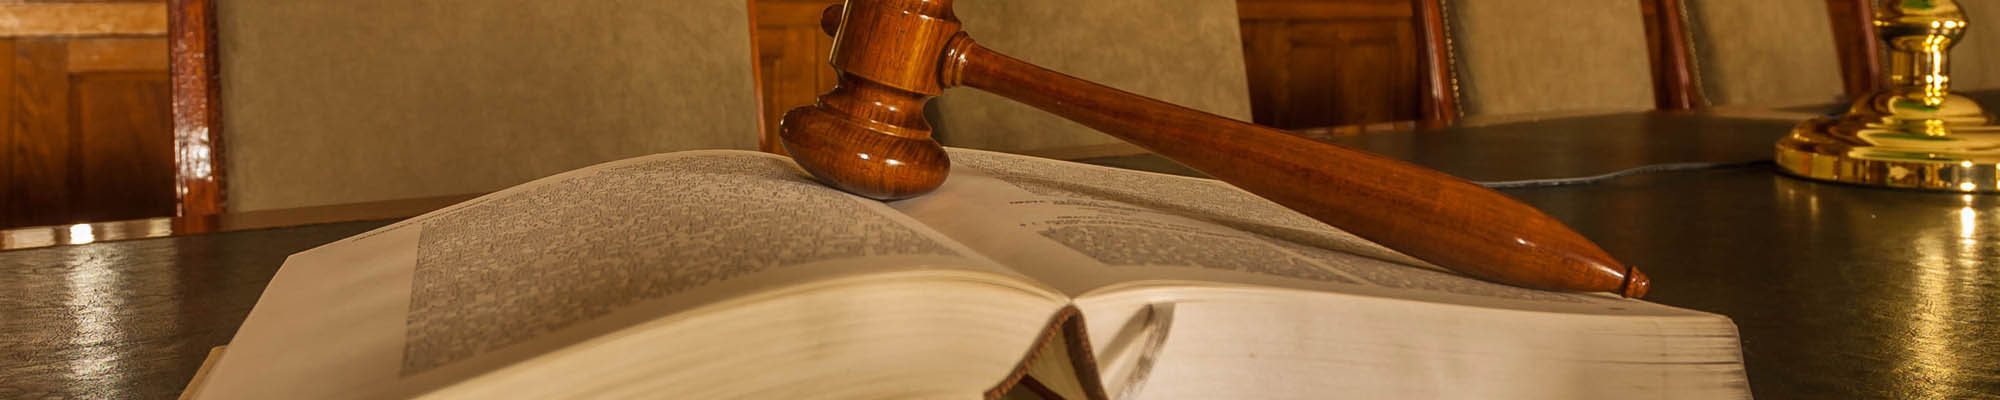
132	319
1935	256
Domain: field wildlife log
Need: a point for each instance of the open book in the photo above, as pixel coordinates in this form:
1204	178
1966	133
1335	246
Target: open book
729	274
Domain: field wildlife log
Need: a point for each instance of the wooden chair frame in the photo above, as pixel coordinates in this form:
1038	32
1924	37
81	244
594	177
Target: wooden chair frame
1860	51
1677	87
197	93
1440	83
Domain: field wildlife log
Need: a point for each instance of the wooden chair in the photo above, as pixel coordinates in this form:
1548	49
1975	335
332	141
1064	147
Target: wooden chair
330	102
1338	67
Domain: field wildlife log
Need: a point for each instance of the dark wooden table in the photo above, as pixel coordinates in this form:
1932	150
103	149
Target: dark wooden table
1839	291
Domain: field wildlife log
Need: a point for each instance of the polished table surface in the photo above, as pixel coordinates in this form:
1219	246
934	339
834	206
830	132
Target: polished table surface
1558	148
1838	291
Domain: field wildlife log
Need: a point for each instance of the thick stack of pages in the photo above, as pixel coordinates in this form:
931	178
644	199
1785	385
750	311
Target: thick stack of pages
725	274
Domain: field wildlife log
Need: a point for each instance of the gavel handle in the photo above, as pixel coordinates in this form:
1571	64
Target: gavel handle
1421	212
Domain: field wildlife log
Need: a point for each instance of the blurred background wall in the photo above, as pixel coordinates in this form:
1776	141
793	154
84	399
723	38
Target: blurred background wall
328	102
332	102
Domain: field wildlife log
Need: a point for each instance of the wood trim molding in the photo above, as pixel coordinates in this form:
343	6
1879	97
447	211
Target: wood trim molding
83	19
1329	133
197	94
118	54
1440	81
1674	83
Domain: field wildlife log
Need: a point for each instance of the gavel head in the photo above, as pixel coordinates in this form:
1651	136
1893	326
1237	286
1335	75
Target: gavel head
868	136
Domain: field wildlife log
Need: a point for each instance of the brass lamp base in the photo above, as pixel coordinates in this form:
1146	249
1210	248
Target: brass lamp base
1898	140
1914	134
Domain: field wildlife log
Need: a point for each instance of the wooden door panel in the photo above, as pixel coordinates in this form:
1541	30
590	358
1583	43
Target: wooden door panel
40	175
88	130
1266	46
1316	63
792	56
7	146
124	131
1351	73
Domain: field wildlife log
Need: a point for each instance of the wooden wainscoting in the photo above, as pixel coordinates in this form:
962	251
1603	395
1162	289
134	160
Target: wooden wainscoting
792	61
1317	63
86	108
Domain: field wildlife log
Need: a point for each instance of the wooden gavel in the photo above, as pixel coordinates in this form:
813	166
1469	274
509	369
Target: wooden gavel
868	137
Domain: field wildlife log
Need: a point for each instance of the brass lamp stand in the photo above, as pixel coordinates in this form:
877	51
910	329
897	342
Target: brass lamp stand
1913	134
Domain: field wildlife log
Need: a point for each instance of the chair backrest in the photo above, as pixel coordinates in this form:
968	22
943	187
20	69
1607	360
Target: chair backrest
1975	62
1186	52
344	101
1522	57
1765	52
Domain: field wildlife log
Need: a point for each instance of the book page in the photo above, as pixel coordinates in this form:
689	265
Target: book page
1083	228
446	296
1216	293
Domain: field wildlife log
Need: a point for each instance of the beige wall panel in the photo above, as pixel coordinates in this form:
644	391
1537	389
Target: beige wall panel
343	101
1765	52
1186	52
1523	57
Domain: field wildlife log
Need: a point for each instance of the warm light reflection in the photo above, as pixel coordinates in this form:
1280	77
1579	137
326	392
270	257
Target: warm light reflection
1930	324
195	157
1968	223
96	298
1935	290
1943	274
81	234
